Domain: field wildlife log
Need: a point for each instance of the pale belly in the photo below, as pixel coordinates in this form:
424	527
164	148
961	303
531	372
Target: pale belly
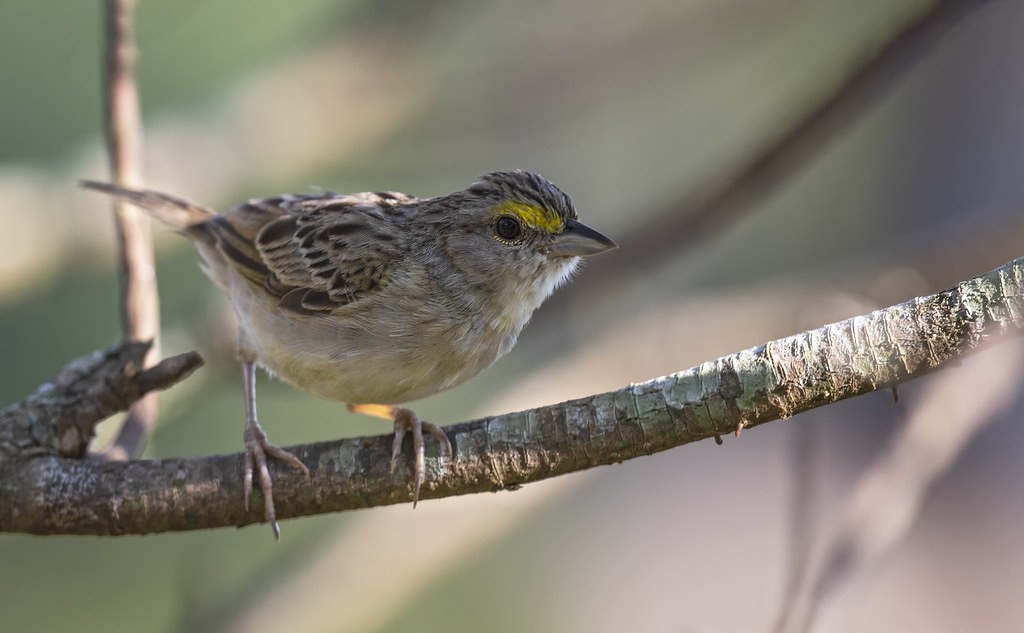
364	363
383	376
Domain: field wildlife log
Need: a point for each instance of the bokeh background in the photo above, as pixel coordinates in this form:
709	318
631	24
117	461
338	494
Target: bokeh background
634	109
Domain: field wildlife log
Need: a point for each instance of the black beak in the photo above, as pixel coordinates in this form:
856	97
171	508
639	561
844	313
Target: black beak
579	240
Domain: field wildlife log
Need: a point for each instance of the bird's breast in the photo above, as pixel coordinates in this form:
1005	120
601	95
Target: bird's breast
376	354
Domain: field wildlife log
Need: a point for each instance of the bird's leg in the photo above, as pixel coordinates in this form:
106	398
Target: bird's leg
257	448
406	420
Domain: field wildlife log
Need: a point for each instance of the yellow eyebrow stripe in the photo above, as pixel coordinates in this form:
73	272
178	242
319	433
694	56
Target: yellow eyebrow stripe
532	215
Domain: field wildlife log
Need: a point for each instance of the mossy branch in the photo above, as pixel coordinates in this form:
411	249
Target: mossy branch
45	488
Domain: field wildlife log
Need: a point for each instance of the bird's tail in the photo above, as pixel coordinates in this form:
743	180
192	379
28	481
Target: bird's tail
173	211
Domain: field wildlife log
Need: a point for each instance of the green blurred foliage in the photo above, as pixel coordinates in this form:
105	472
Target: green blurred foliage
50	57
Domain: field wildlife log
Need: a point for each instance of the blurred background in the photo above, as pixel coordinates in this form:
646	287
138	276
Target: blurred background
640	111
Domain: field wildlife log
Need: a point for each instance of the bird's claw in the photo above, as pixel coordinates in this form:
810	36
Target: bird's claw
407	421
257	450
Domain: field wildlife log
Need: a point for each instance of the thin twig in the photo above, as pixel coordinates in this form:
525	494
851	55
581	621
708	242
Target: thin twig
140	307
801	525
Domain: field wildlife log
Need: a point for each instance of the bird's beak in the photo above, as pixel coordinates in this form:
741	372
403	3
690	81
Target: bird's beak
579	240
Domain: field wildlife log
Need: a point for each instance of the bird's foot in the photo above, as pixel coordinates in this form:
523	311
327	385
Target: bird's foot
405	421
257	450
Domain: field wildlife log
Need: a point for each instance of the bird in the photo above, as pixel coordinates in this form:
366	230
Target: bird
378	298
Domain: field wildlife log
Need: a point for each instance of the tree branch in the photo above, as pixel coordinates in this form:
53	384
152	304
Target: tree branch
42	492
61	417
886	502
140	304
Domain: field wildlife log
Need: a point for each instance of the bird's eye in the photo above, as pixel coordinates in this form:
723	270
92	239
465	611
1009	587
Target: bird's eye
508	228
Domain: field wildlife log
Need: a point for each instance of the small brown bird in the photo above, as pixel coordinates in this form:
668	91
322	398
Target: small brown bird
376	298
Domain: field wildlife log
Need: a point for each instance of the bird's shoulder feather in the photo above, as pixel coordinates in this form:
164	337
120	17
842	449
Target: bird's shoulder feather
315	253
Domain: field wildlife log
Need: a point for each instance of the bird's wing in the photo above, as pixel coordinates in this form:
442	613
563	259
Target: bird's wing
316	253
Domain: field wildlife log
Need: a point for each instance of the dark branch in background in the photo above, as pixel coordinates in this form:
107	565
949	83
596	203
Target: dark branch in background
47	494
688	221
140	306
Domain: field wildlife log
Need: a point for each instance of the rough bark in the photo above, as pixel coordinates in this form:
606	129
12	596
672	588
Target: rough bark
42	491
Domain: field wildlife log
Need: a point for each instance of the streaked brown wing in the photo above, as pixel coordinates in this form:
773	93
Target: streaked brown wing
316	253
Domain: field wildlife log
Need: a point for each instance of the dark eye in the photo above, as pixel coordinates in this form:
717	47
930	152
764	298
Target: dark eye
508	228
